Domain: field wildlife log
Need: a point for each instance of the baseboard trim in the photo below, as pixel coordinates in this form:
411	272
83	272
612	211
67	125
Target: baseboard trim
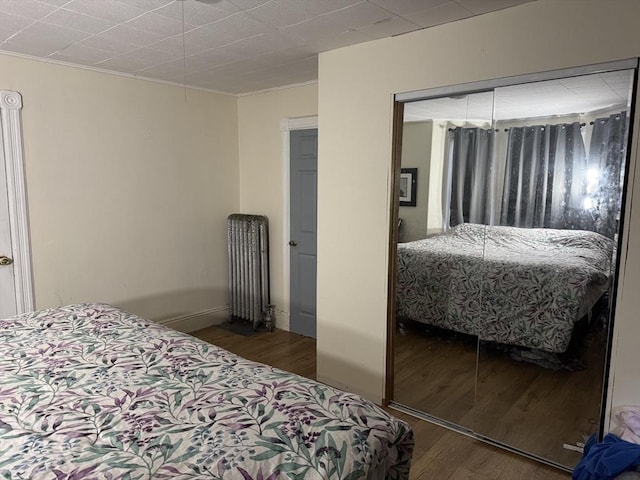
282	320
196	321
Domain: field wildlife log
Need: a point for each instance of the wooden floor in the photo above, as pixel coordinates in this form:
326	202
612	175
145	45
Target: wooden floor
532	408
439	453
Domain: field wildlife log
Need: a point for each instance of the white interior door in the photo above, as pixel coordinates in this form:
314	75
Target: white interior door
16	280
7	278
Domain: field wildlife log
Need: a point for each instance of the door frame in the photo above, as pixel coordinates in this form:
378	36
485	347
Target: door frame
13	152
286	126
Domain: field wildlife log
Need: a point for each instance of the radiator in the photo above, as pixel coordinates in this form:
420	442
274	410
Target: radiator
248	248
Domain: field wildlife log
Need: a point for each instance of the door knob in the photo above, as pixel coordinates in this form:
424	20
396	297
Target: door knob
5	260
293	243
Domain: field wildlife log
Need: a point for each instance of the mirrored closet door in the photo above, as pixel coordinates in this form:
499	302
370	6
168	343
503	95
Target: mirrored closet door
508	218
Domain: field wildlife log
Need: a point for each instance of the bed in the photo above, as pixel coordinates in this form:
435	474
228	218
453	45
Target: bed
92	392
513	286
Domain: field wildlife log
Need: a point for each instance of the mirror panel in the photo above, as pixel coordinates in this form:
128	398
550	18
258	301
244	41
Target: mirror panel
436	341
549	261
510	205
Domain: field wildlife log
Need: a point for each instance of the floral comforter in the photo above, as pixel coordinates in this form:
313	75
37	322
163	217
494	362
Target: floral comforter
92	392
509	285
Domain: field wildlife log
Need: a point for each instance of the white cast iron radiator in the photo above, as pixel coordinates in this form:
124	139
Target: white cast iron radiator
248	247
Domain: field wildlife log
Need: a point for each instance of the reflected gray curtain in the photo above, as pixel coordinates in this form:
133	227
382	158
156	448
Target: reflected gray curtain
544	182
471	153
607	154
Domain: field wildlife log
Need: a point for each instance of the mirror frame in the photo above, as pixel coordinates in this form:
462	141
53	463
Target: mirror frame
399	100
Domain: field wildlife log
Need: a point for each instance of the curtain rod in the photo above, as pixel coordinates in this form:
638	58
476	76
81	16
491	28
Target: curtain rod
524	126
616	115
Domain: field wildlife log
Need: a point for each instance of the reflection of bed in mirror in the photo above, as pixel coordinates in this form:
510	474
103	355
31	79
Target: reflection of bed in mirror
526	287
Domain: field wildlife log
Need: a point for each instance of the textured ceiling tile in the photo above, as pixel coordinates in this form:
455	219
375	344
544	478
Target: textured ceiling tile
5	33
248	4
240	25
84	53
159	24
26	8
282	13
247	47
207	38
350	37
360	15
238	36
280	57
315	29
289	55
394	26
146	5
296	72
403	7
78	21
224	84
251	84
241	67
308	65
211	58
133	36
106	9
112	45
275	14
176	45
14	22
203	76
298	76
224	32
325	6
197	13
71	60
57	3
448	12
172	69
258	45
51	36
202	61
483	6
156	57
126	63
40	50
275	40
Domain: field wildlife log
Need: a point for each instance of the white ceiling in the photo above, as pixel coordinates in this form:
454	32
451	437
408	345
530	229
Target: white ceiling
231	46
574	95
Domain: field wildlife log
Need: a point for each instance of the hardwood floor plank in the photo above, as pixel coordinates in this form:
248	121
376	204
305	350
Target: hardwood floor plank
462	473
438	454
517	403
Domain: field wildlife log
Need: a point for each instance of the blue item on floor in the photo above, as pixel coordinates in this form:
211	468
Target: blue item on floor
605	460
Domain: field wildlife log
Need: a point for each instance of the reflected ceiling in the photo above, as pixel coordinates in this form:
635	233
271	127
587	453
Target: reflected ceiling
549	98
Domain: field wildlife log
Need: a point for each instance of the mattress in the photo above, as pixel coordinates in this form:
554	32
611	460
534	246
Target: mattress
515	286
89	391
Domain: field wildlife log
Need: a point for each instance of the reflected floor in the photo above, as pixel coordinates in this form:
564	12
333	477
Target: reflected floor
521	404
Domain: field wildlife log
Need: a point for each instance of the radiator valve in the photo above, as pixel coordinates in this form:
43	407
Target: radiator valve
269	317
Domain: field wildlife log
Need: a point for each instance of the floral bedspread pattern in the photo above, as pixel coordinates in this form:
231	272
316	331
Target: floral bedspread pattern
92	392
516	286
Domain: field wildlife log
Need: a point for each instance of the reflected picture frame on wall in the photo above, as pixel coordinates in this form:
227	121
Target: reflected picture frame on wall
408	186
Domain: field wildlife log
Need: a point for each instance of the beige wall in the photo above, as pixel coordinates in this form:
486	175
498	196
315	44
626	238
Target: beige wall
128	186
356	87
416	153
263	189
